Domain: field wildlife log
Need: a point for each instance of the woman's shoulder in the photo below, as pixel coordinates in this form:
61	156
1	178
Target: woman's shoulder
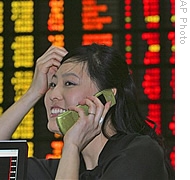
144	142
133	145
133	156
133	140
145	147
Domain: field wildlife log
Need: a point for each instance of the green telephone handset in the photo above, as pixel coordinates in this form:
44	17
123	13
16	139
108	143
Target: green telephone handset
66	120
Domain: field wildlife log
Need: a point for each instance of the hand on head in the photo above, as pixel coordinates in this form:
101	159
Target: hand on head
46	66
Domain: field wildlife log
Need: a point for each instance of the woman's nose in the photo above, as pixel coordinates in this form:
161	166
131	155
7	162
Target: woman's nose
55	94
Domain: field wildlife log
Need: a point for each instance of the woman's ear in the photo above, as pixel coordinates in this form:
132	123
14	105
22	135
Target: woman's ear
114	90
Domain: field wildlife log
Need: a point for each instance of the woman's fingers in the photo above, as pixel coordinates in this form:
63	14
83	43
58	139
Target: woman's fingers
51	59
100	109
96	111
89	124
46	66
53	52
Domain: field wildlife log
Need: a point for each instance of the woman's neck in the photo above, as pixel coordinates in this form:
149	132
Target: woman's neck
92	151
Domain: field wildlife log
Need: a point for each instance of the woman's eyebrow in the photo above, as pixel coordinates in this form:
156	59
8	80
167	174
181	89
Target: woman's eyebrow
70	74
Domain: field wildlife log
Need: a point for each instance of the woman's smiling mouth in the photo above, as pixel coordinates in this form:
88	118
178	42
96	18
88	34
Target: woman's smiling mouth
55	111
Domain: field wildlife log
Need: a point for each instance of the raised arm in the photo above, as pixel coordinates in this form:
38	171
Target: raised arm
46	66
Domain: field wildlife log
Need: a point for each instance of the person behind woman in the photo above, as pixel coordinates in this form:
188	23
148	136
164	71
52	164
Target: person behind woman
123	146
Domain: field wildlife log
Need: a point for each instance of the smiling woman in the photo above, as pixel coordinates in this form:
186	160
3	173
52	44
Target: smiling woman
122	146
68	87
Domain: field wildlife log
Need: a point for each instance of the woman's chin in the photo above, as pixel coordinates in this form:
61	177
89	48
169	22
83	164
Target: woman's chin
53	127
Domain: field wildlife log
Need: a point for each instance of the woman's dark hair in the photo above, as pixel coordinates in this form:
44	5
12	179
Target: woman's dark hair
108	69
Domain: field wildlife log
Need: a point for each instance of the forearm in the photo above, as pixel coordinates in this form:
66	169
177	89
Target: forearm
69	164
11	118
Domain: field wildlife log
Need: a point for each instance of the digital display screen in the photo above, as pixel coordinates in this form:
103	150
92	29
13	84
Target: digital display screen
9	163
143	31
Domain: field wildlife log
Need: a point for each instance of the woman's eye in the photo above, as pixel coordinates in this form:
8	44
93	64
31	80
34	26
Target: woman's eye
52	85
68	83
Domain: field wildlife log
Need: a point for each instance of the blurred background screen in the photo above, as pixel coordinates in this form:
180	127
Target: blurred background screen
143	31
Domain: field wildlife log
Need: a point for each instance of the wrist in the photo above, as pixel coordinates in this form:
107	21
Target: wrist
34	94
70	148
69	163
30	98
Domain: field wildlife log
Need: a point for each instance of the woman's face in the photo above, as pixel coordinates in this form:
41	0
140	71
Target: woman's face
68	87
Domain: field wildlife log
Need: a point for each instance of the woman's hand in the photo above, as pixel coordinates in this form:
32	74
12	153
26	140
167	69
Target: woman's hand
46	66
79	135
88	126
